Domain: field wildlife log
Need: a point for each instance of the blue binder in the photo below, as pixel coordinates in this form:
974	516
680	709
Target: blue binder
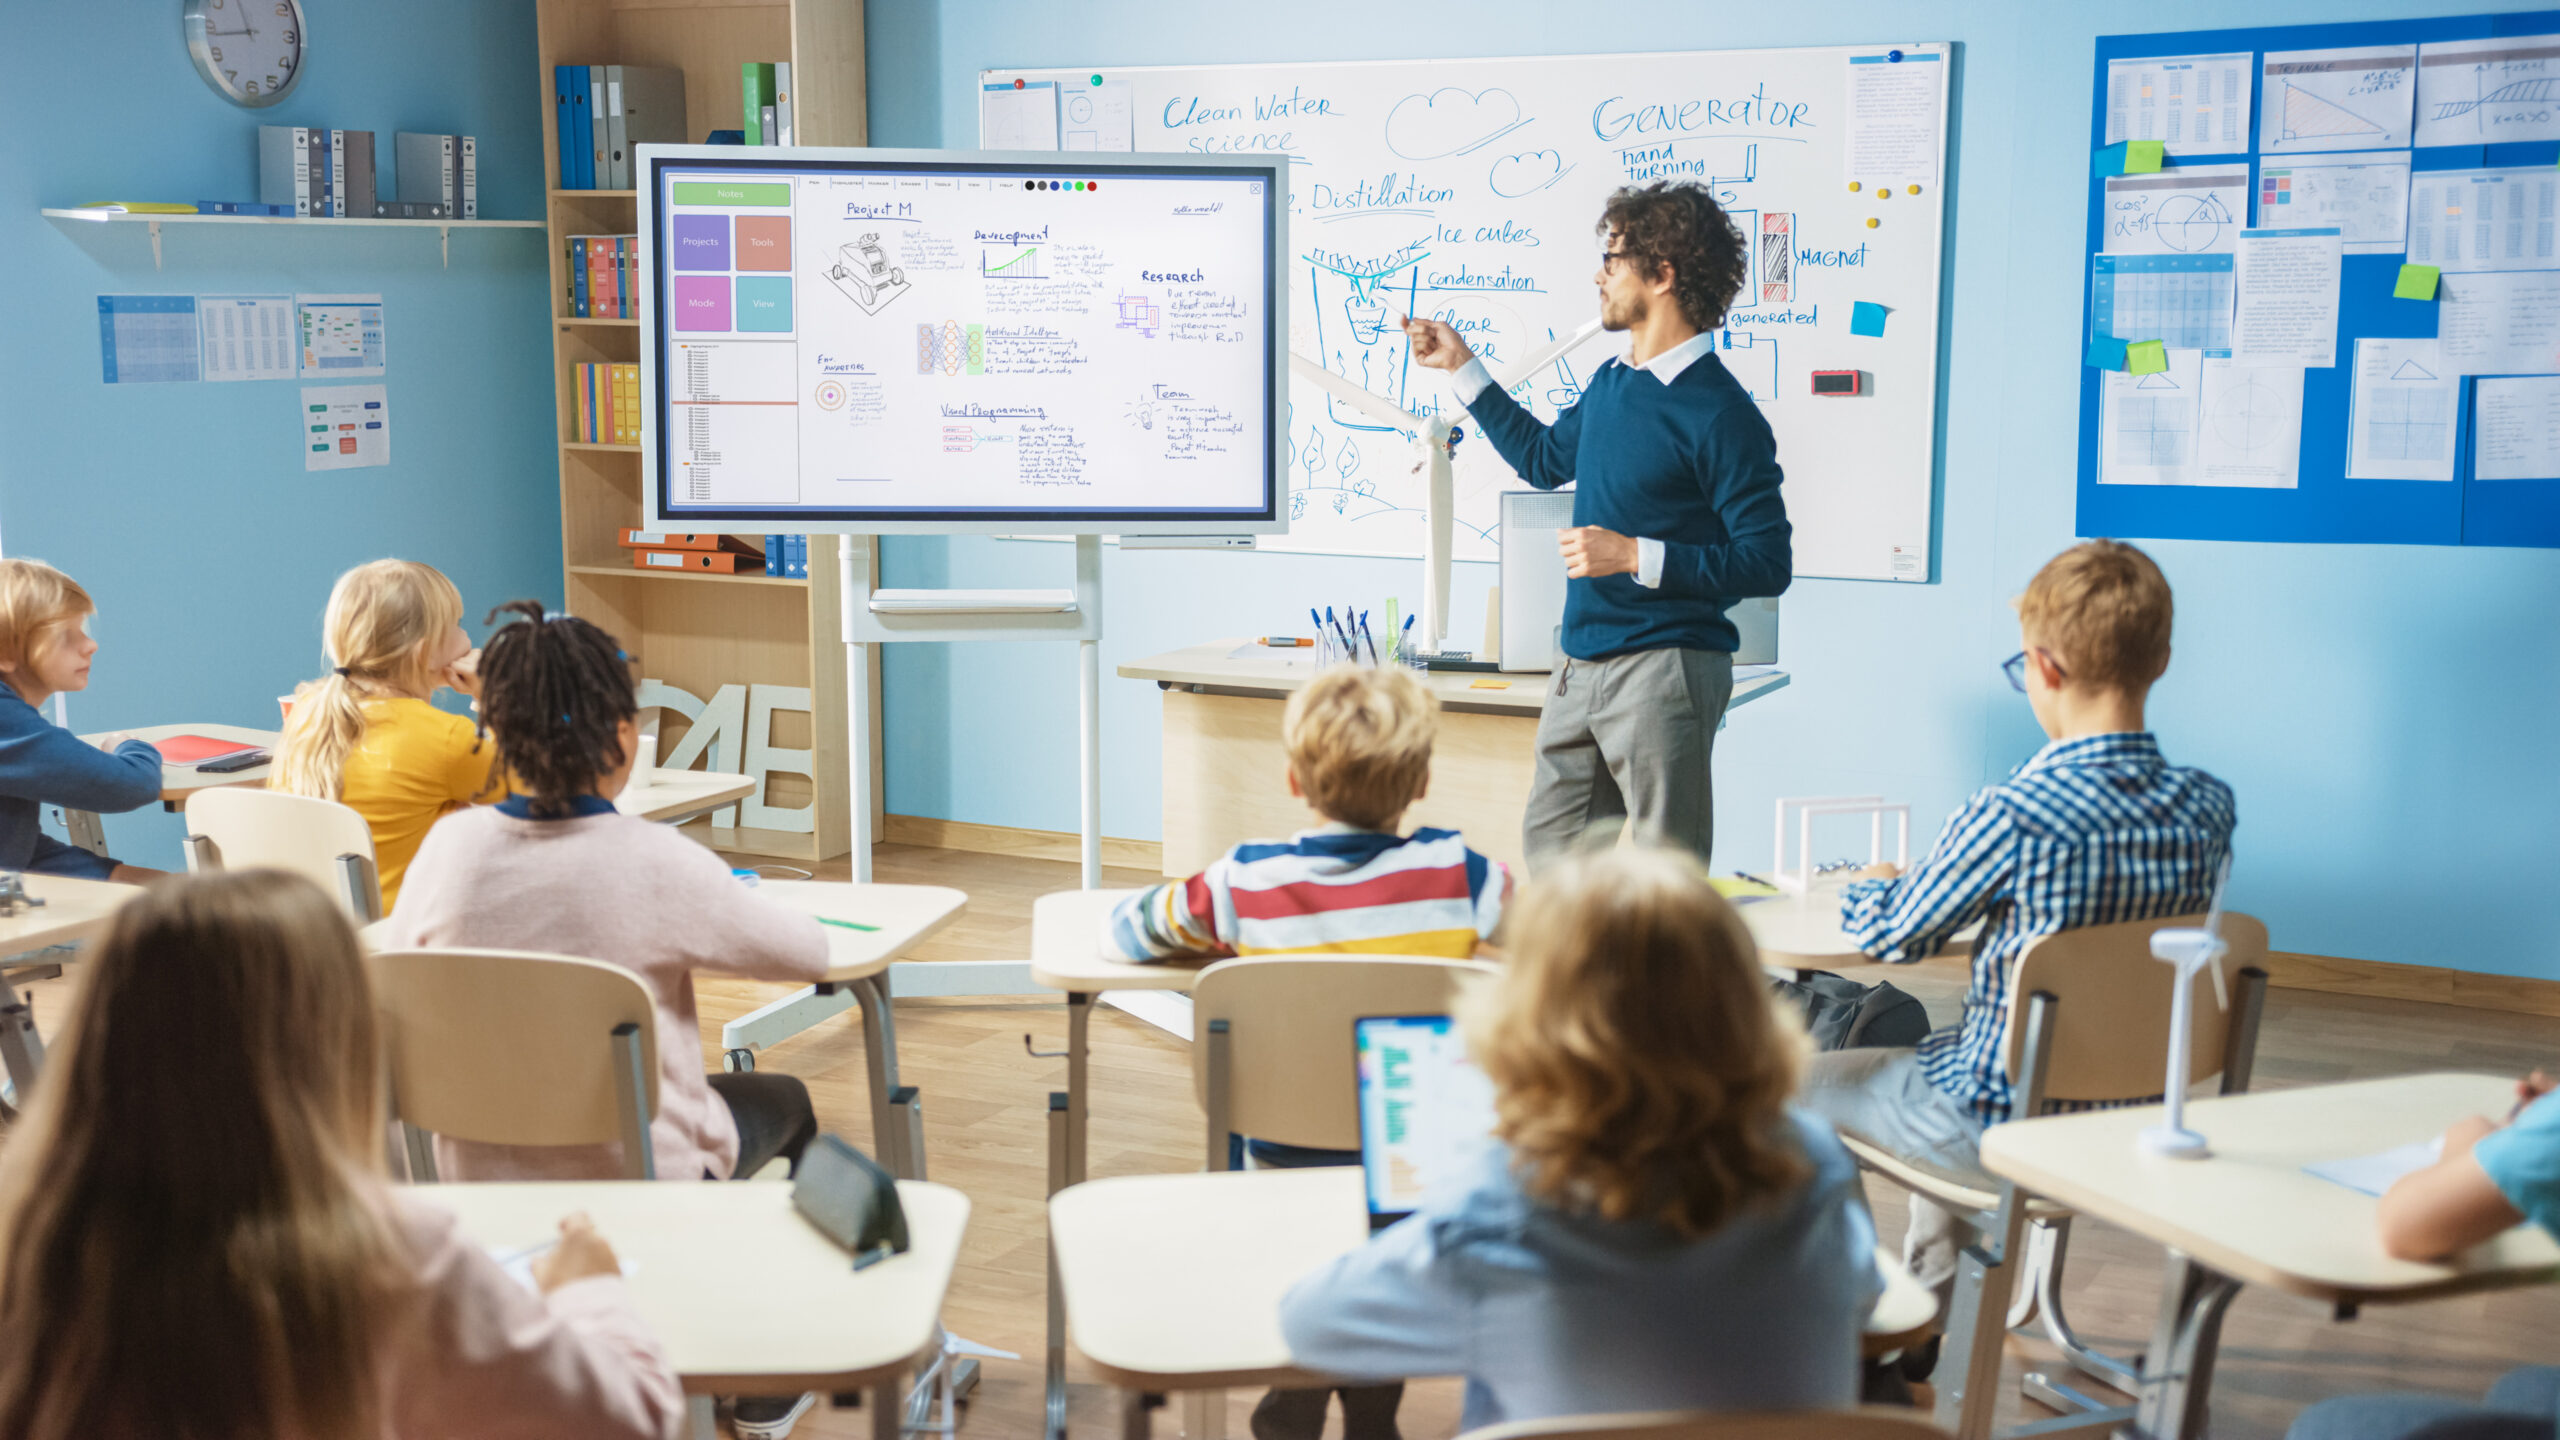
562	86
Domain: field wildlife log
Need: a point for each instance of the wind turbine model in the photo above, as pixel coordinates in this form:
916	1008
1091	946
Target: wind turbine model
2189	951
1430	436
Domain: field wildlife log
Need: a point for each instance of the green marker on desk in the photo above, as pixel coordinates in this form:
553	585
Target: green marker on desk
846	924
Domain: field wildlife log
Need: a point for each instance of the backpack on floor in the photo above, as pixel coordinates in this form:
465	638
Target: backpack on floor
1845	1015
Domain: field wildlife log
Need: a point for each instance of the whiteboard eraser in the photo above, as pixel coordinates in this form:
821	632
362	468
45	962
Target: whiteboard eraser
1839	382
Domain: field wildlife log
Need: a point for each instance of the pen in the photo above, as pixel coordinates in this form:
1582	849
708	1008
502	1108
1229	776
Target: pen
1286	641
1367	635
1754	879
845	924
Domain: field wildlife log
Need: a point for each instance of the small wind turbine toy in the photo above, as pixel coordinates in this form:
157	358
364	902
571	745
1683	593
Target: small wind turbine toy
2189	951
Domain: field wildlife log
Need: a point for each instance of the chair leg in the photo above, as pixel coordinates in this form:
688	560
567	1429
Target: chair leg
2029	1292
1968	1376
422	1154
1218	1105
631	1086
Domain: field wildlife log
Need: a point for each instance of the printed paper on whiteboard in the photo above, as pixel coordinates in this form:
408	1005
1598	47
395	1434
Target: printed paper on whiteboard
2192	104
1894	102
2400	425
2484	92
1096	117
2249	425
340	336
345	427
2356	99
2365	195
247	337
2187	210
1019	116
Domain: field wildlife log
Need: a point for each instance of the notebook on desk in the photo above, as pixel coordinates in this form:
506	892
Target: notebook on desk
1426	1111
196	749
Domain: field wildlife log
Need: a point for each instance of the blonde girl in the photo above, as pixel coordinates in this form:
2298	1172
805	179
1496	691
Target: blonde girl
364	733
1653	1225
45	650
197	1239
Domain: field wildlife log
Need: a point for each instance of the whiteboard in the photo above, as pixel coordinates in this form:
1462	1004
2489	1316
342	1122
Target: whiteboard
885	341
1467	190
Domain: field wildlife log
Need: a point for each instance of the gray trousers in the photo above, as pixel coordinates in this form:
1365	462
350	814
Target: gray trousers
1625	742
1881	1097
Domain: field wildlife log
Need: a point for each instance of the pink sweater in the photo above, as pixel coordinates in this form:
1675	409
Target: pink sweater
486	1358
619	889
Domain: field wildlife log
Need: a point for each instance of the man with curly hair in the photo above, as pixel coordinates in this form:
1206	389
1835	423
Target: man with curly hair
1676	515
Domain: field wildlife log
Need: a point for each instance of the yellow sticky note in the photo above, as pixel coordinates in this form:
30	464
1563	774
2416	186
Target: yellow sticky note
2146	357
1490	685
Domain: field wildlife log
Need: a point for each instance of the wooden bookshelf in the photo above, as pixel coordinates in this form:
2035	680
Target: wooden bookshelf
696	631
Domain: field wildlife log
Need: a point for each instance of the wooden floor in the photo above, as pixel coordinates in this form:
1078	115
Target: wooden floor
984	1096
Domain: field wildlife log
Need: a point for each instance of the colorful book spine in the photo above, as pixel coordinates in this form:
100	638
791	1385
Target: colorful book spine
579	301
756	80
773	555
626	400
623	246
564	131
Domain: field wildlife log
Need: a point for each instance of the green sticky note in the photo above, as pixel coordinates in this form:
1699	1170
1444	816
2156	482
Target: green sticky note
2417	282
2142	157
2146	357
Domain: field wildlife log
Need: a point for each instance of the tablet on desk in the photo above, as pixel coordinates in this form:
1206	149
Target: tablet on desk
1426	1111
196	749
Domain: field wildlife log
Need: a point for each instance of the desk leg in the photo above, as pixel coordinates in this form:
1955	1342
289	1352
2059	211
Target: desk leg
888	1411
880	1058
1079	1025
1204	1415
1135	1420
1057	1373
21	1048
85	830
2177	1374
702	1417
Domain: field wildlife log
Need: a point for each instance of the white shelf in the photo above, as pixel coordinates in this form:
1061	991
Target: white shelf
444	228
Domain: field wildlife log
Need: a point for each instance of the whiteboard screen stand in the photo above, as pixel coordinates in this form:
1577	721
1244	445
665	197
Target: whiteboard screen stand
884	617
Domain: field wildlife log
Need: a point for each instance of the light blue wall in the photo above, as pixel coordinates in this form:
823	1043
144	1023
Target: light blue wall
184	508
2387	714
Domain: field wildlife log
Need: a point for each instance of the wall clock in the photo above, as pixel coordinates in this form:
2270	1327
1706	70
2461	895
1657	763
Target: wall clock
249	51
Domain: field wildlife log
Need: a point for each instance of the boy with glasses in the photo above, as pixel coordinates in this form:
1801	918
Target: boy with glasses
2096	828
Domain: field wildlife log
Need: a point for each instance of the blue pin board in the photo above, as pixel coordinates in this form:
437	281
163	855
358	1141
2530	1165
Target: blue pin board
2324	506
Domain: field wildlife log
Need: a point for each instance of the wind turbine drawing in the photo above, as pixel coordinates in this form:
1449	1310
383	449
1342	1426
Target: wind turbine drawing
1429	435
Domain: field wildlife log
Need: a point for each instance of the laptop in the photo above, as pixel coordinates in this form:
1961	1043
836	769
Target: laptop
1425	1109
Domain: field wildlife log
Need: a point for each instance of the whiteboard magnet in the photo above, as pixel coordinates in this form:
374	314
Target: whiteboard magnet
1017	84
1884	192
1915	189
1893	57
1873	222
1855	187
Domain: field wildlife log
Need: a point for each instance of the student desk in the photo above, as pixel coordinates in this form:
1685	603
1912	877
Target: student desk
177	782
747	1297
1802	932
72	910
2250	1214
1224	778
1203	1312
671	797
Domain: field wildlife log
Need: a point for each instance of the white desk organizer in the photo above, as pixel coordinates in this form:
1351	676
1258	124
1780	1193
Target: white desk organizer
1805	810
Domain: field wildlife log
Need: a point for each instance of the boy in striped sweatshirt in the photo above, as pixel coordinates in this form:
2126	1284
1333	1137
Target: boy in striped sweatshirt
1359	750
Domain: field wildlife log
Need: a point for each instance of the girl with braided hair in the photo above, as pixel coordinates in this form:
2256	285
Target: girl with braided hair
555	868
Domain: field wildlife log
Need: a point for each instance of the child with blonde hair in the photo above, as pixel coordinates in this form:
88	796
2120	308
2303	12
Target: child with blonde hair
197	1237
365	734
1654	1226
46	650
1358	745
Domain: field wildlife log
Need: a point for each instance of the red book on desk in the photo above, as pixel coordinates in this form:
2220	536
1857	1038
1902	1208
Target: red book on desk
192	749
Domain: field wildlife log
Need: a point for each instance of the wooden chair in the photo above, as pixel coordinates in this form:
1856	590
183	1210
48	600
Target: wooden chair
1272	1055
243	828
511	1048
1871	1422
2089	1023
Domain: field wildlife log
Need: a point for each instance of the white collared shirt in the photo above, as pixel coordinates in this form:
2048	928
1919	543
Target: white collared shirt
1470	380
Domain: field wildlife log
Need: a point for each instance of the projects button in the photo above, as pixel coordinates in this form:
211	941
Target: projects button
725	192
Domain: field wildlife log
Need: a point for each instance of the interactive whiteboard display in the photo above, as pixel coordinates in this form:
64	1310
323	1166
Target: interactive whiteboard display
898	341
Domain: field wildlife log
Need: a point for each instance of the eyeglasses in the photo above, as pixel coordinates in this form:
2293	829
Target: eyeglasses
2015	667
1612	257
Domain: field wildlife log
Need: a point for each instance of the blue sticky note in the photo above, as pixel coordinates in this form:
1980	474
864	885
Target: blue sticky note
2109	161
1866	317
2106	352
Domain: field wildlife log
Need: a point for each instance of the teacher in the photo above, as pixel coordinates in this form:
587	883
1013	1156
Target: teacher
1676	516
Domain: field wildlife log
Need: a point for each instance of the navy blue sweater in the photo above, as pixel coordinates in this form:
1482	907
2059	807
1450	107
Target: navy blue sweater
1691	464
43	764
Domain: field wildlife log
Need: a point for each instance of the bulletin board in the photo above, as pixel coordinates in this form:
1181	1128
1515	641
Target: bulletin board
2324	504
